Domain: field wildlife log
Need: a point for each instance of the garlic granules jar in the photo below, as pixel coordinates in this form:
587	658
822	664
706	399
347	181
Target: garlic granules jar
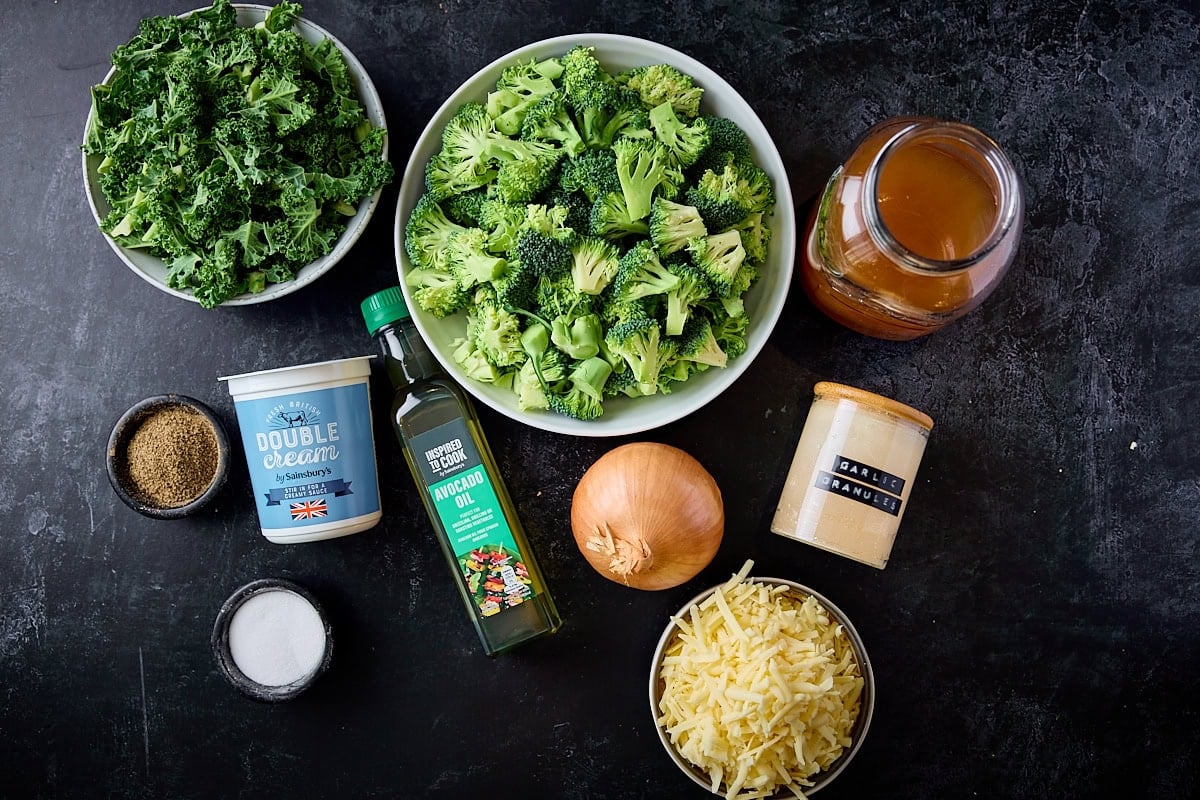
852	473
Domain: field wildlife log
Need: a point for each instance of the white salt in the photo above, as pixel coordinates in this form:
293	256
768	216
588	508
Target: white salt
276	637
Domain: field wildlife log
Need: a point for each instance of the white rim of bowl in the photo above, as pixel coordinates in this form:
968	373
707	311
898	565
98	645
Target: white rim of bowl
865	712
686	404
349	237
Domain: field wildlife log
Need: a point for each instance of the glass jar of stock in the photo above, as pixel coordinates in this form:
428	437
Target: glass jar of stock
914	230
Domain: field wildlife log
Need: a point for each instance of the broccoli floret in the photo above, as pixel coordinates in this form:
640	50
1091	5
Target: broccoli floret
539	381
503	222
754	191
585	397
467	208
637	343
726	198
550	221
549	121
662	83
734	302
526	169
641	274
521	180
717	197
673	181
674	368
543	255
427	233
471	150
730	333
595	264
640	168
546	368
604	108
697	343
520	87
495	331
684	142
579	337
445	177
719	257
437	291
470	143
728	144
593	172
622	382
692	288
579	210
756	237
618	309
673	224
673	372
469	261
590	90
514	289
629	119
611	219
473	361
557	297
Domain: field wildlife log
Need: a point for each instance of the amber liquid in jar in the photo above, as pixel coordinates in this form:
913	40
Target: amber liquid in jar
914	230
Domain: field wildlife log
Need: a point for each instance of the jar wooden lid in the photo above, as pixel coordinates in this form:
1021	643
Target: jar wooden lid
871	400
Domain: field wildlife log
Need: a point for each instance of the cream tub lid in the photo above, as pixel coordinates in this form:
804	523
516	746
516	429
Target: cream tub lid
284	378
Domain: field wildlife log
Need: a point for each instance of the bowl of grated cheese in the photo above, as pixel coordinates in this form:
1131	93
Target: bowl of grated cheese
761	688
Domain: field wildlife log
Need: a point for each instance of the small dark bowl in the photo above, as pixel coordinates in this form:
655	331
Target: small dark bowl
118	440
220	642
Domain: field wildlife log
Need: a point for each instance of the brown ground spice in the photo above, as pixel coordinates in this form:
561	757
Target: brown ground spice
171	457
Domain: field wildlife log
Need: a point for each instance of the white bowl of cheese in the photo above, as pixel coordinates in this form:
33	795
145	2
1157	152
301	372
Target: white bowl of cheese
761	687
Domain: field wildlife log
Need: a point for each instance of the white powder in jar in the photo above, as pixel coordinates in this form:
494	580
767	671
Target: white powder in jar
276	638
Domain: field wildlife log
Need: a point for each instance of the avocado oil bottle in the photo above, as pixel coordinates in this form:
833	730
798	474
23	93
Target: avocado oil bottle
472	514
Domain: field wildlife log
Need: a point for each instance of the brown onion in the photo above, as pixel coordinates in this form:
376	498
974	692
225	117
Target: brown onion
648	516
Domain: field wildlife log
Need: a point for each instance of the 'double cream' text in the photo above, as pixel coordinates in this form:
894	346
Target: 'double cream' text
292	447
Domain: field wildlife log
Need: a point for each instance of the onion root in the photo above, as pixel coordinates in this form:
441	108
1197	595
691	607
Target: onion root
625	558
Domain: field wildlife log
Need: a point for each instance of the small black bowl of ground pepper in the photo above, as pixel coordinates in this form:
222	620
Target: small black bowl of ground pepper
168	456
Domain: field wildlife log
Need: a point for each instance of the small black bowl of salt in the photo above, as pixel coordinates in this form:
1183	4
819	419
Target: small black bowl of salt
168	456
272	639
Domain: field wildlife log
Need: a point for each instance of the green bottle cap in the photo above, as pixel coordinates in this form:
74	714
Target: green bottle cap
383	307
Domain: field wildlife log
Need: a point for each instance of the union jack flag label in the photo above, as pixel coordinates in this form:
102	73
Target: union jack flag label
309	509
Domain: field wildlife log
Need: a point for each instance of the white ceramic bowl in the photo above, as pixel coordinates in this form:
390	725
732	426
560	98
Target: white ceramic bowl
861	724
764	302
154	271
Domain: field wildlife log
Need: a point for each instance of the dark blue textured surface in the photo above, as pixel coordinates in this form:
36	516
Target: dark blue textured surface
1036	634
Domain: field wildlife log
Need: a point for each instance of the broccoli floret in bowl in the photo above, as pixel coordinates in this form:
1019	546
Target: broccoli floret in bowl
639	307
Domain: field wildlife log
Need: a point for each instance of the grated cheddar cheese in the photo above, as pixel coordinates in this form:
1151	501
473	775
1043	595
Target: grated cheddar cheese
760	688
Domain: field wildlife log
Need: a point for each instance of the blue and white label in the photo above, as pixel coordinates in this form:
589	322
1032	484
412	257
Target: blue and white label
311	456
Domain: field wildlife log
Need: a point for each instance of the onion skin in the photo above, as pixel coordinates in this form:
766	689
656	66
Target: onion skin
648	516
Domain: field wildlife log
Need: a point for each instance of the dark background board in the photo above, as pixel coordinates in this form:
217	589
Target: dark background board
1036	633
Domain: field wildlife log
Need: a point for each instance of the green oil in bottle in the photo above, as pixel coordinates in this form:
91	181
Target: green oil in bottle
472	514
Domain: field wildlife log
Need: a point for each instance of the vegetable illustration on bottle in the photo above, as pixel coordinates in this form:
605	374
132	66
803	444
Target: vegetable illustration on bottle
497	579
